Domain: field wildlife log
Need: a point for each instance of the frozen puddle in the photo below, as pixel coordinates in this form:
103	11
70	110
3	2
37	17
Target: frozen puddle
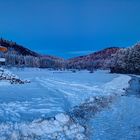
54	106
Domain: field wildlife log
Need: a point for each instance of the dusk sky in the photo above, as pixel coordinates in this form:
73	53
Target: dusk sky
69	28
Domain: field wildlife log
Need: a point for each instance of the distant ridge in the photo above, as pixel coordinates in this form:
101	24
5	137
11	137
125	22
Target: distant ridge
118	60
100	59
21	56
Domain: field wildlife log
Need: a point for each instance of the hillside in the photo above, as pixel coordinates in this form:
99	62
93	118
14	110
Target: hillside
20	56
119	60
14	48
127	60
97	60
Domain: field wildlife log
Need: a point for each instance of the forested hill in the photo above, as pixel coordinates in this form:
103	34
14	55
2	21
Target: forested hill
20	56
98	60
127	60
15	48
119	60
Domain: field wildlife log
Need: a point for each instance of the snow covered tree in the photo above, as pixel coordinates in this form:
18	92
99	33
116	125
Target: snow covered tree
127	60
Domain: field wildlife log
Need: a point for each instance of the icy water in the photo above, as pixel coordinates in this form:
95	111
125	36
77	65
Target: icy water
122	120
53	92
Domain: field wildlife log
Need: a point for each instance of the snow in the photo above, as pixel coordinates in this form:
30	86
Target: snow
41	109
121	121
13	79
4	83
2	60
47	129
62	118
117	85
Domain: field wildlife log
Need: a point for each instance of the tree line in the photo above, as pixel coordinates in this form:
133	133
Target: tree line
127	60
31	61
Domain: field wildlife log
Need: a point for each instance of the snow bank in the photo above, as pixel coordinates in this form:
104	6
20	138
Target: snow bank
61	127
117	85
6	75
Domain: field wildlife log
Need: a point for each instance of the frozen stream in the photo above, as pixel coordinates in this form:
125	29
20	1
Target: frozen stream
122	120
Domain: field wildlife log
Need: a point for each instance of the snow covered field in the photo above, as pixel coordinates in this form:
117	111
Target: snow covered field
25	109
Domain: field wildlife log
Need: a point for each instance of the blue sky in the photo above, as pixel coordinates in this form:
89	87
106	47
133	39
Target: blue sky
69	28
